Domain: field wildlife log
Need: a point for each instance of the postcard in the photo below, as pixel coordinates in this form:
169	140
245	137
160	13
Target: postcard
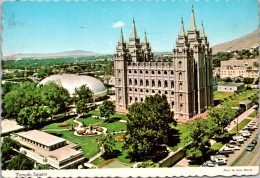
99	88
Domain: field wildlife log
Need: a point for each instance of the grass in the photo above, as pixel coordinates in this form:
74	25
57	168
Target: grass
245	95
231	103
241	125
183	134
254	114
88	144
217	145
56	125
220	95
116	115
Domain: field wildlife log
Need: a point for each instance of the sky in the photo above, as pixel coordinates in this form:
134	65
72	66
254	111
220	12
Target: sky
49	27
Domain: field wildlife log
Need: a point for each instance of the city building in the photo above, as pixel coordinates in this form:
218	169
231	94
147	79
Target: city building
186	79
239	68
45	149
230	87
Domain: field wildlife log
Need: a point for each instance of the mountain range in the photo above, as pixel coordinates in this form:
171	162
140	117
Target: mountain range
248	41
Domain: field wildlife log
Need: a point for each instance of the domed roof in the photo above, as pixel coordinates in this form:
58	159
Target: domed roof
71	81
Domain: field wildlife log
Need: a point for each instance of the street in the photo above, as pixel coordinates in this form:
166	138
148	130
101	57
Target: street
246	158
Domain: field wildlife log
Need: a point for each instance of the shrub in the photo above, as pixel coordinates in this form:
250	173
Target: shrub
149	164
119	138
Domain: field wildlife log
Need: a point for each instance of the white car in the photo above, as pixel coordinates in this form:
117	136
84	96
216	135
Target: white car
234	147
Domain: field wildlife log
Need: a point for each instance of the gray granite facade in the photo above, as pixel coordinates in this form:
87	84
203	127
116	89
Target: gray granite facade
186	80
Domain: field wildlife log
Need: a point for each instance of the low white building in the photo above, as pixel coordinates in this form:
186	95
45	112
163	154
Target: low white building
230	87
45	148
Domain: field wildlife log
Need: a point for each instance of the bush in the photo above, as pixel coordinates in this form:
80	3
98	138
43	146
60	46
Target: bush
147	164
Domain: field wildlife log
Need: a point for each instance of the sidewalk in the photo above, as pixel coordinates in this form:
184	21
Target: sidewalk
240	118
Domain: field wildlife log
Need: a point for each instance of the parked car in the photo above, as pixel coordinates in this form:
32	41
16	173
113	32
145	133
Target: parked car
250	147
234	147
254	142
219	159
233	142
244	133
209	164
238	138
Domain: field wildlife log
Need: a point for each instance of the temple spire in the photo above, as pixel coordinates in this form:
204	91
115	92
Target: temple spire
182	31
134	32
202	33
145	37
121	39
192	21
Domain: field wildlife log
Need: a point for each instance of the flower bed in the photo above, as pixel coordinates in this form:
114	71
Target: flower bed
119	138
63	124
80	131
100	129
89	133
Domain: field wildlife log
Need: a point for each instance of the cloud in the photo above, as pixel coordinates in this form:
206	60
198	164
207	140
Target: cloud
118	24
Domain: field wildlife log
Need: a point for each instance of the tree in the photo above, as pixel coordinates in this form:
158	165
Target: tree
24	96
107	109
55	97
147	164
238	80
107	143
32	116
227	79
148	123
222	118
9	146
20	162
248	80
200	133
84	96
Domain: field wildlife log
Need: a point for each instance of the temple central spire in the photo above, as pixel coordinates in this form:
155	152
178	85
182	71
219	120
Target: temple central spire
134	32
193	26
121	39
182	31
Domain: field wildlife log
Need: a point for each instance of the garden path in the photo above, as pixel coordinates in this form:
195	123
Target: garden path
105	118
55	129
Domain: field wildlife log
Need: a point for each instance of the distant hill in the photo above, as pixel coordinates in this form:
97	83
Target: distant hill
76	53
246	42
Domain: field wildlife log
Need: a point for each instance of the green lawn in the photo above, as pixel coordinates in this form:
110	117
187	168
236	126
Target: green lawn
241	125
231	103
122	156
217	145
220	95
254	114
116	115
55	125
183	134
88	144
245	95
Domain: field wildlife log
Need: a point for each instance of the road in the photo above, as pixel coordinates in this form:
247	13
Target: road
232	159
248	158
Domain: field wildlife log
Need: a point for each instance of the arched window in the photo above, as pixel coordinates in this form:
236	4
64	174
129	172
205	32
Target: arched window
135	72
141	82
141	72
181	107
152	72
172	84
136	99
166	92
147	91
135	90
141	90
146	71
165	84
130	99
135	82
153	91
172	92
159	72
159	83
171	72
165	72
130	89
153	83
130	71
159	91
180	97
172	103
180	86
147	83
180	76
180	64
142	99
130	81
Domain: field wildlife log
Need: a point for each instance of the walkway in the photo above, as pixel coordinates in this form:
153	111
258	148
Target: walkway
105	118
55	129
240	118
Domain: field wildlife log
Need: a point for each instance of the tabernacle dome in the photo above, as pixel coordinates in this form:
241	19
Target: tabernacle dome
71	81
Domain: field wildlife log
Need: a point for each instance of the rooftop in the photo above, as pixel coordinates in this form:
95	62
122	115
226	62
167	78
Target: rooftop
41	137
230	84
